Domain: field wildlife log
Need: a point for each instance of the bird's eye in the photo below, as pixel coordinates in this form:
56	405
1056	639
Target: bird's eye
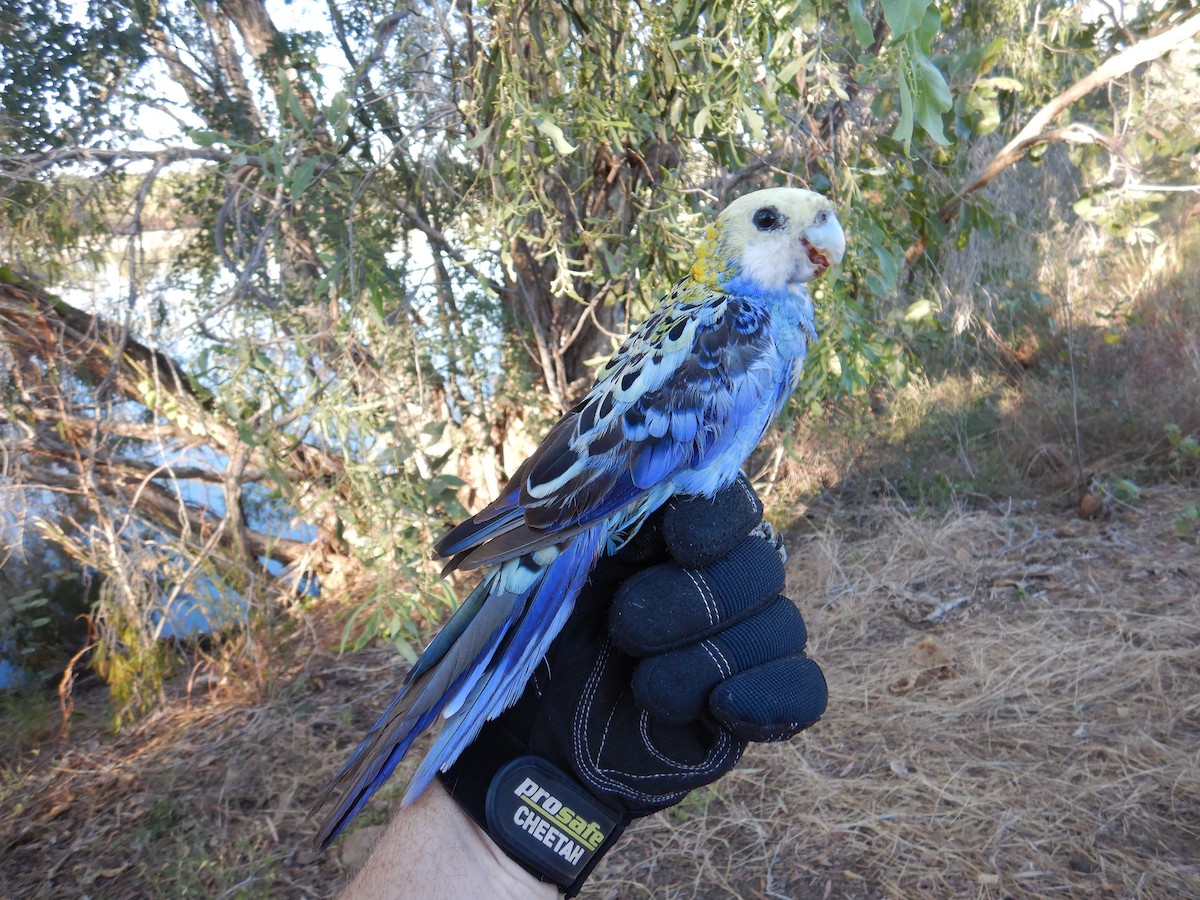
768	219
823	217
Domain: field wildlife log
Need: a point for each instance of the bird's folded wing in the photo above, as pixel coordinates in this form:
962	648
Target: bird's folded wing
679	383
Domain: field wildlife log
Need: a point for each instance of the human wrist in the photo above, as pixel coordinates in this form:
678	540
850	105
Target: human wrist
508	879
433	849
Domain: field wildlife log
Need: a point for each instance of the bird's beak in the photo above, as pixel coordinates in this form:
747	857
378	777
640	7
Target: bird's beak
826	244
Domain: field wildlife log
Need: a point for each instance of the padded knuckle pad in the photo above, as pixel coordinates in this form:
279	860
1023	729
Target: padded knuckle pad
667	607
676	686
699	531
772	702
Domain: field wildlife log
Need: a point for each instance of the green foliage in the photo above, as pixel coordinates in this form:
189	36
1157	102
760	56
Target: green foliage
1125	217
924	94
1187	522
58	73
134	667
394	275
1184	455
1126	490
28	718
42	597
31	602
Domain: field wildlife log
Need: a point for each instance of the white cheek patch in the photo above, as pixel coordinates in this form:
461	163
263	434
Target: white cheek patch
770	262
803	271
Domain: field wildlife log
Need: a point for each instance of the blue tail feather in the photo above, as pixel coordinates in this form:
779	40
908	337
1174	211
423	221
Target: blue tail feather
419	702
475	668
549	605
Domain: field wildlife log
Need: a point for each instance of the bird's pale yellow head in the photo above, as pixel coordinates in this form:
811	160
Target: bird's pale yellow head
771	240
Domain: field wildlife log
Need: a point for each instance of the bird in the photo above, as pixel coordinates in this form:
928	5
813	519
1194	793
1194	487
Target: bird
676	411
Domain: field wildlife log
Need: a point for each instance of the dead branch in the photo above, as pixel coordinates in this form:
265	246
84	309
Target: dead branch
1035	131
76	427
50	447
168	510
38	326
50	329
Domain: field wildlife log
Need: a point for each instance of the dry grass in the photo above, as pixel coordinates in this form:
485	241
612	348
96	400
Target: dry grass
1123	356
1013	713
1040	737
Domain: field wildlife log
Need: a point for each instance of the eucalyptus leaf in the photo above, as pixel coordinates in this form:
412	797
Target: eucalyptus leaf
904	128
863	32
904	16
934	84
556	135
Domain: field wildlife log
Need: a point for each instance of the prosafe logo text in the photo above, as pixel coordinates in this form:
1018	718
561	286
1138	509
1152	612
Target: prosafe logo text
554	824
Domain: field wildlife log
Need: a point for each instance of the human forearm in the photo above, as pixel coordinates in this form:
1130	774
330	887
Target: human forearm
433	849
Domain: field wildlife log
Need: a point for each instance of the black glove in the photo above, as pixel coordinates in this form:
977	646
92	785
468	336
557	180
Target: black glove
679	652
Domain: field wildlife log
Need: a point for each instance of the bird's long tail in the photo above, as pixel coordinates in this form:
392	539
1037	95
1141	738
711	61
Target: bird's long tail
475	668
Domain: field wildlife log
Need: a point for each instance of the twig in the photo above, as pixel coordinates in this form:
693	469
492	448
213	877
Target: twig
1035	130
948	606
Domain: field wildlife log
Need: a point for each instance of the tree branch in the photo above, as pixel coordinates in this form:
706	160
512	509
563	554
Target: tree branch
75	427
42	444
39	326
1035	130
167	509
439	240
266	47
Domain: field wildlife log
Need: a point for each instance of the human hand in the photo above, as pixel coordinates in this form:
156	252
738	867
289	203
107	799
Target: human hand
679	652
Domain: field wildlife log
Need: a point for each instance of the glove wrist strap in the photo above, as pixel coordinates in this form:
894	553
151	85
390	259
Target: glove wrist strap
536	813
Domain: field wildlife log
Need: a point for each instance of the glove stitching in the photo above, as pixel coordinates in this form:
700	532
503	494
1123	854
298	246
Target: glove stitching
706	594
747	491
589	763
644	727
708	764
579	731
602	779
604	734
714	652
582	712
